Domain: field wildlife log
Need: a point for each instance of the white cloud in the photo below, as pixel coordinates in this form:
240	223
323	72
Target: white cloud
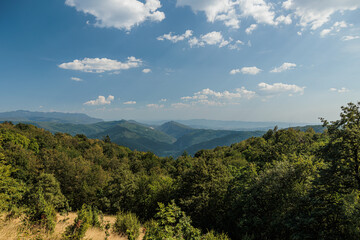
259	10
210	97
146	70
282	19
212	38
317	13
336	27
176	38
221	10
251	28
120	14
101	100
230	12
246	70
348	38
341	90
130	102
153	105
163	100
284	67
76	79
278	88
100	65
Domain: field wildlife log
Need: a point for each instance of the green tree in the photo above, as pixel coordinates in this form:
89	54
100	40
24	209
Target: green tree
343	150
171	223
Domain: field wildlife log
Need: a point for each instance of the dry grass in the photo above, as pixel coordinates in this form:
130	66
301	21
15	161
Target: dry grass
14	230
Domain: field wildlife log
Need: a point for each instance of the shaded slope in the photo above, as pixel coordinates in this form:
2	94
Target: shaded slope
175	129
224	141
136	140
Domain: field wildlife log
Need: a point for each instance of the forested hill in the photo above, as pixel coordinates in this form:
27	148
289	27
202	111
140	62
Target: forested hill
169	139
287	184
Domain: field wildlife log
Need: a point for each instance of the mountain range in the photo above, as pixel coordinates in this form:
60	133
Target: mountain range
168	139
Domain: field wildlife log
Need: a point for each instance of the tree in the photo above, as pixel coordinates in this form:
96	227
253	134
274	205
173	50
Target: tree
343	150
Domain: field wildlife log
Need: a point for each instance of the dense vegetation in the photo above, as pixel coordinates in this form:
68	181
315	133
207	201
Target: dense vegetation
287	184
168	139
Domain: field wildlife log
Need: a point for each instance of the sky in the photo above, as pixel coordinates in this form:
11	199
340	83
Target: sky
246	60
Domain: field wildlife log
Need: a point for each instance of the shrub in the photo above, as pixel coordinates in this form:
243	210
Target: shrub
171	223
81	224
127	224
41	212
213	236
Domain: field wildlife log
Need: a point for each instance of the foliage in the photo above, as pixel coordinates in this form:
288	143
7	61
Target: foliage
171	223
41	212
287	184
52	192
213	236
82	223
11	190
127	224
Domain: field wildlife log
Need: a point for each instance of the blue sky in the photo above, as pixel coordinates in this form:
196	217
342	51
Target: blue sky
253	60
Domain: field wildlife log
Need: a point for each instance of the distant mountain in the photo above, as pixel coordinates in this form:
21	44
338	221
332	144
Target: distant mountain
316	128
58	117
200	136
224	141
175	129
231	125
168	139
135	136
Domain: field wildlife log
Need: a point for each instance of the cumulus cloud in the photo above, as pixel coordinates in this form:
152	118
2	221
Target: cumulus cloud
230	12
284	19
154	105
210	97
146	70
349	38
316	13
175	38
100	65
120	14
163	100
251	28
334	28
284	67
211	38
340	90
130	102
259	10
246	70
101	100
76	79
278	88
215	10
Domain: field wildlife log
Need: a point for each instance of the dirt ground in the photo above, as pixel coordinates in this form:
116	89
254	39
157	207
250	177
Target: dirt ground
14	230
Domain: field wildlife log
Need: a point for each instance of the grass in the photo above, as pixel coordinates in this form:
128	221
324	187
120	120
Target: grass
14	229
